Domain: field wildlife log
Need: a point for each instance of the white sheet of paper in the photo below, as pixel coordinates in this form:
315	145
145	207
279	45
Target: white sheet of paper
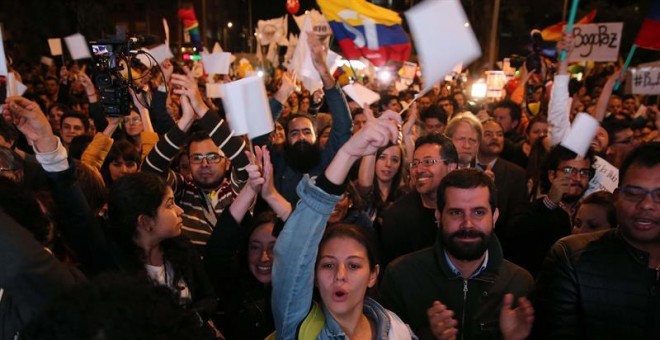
437	27
14	87
46	61
213	90
161	53
582	134
361	94
77	45
3	59
216	63
246	106
217	48
605	178
55	45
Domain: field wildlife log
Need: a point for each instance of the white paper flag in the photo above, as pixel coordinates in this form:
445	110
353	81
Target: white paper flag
77	45
439	27
582	134
55	45
161	53
14	87
216	63
217	48
361	94
246	106
166	28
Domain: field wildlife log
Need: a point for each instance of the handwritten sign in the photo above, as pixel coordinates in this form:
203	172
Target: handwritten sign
646	80
596	42
606	177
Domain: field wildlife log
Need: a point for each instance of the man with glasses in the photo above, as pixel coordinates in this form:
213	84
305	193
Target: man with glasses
565	178
604	285
409	224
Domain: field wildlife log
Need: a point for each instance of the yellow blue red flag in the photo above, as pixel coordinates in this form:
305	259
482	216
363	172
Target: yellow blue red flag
363	29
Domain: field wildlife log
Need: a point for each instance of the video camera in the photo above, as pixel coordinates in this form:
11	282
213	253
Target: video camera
108	55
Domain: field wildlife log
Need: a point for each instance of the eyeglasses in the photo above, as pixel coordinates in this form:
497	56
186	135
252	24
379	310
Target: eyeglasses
2	169
427	162
211	157
133	120
569	170
637	194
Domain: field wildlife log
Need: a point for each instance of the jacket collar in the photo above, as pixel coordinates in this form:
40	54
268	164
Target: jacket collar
495	259
372	310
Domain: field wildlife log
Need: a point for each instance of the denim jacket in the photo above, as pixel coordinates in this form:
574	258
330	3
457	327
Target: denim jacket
293	271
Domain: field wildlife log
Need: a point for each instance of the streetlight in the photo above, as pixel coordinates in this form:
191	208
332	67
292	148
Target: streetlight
230	24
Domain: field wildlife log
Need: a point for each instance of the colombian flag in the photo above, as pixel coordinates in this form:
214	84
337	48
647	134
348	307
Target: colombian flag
649	35
365	30
556	31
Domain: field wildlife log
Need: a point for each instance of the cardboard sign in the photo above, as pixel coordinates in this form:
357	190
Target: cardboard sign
605	178
439	26
596	42
645	80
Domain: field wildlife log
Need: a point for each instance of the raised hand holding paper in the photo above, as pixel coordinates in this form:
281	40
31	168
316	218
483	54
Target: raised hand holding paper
246	106
77	45
441	42
216	62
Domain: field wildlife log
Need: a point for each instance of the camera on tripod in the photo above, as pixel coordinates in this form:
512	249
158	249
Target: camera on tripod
111	57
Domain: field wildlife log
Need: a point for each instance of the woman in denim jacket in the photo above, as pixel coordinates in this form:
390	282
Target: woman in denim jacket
344	261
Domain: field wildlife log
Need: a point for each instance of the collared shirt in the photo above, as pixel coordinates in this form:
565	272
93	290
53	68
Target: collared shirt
484	166
455	270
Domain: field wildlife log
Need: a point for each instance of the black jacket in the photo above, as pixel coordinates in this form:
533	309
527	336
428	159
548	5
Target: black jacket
596	286
412	282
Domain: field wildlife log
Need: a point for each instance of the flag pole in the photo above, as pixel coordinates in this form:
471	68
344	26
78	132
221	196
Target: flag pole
625	67
569	26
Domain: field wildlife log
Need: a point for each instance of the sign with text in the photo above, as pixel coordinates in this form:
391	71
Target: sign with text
645	80
596	42
606	177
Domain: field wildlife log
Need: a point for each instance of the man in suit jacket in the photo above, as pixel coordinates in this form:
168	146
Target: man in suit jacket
510	180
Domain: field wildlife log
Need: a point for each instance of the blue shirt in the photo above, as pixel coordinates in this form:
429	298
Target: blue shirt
458	272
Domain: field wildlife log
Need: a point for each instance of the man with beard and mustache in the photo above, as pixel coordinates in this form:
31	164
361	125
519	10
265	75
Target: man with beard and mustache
510	180
461	286
302	154
549	218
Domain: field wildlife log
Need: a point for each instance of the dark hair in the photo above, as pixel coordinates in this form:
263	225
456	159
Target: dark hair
434	111
8	131
614	126
116	306
385	100
561	154
293	116
536	119
646	155
196	137
72	114
92	186
121	149
22	206
10	159
451	99
447	148
78	145
514	109
469	178
603	199
396	180
362	235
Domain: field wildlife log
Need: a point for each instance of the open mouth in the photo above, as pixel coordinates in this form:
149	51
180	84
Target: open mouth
339	295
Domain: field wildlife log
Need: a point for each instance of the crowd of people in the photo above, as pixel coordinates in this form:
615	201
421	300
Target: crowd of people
421	216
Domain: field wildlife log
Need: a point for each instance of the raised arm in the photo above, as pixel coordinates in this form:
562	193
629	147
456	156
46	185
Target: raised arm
297	245
559	107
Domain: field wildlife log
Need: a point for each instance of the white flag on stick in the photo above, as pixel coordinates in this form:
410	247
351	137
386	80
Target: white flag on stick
434	37
77	45
301	63
55	45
